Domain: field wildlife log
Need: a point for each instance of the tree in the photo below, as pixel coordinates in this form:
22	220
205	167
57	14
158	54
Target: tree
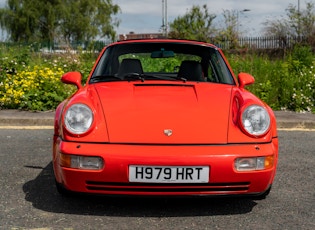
86	19
72	20
302	22
276	28
230	32
19	21
279	29
48	15
296	23
196	24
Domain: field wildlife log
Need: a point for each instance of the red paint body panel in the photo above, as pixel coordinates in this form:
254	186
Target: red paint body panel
162	120
138	113
117	158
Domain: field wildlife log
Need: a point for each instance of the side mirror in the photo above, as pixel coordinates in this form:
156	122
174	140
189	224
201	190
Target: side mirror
73	78
245	79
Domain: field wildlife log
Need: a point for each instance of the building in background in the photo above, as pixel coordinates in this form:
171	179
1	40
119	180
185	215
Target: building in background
133	35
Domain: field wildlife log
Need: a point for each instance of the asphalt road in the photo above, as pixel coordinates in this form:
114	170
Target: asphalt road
29	200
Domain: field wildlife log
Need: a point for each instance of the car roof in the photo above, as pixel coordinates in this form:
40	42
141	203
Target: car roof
165	40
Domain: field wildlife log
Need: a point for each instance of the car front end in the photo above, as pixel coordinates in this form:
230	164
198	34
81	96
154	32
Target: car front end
164	170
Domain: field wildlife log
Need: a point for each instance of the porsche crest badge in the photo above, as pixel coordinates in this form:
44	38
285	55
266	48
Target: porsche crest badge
168	132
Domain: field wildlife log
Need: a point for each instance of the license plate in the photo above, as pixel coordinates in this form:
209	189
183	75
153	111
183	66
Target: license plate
168	174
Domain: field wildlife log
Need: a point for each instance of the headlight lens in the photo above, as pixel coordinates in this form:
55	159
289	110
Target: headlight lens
78	118
255	120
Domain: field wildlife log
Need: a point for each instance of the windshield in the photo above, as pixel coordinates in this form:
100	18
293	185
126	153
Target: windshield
161	61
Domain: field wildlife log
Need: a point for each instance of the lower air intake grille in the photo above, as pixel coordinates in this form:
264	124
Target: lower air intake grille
178	188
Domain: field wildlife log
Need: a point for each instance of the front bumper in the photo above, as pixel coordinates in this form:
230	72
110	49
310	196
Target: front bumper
113	178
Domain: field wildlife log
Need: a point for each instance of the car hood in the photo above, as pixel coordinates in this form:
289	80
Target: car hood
160	113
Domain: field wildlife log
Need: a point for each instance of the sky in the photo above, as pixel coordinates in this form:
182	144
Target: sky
145	16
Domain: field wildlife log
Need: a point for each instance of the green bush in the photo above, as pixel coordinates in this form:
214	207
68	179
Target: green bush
31	81
283	84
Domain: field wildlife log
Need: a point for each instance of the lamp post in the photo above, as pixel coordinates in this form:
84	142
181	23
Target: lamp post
164	17
299	20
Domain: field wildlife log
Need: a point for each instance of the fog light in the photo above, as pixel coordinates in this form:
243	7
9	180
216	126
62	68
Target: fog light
81	162
253	163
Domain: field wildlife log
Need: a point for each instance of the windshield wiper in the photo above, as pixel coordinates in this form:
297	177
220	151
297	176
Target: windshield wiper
179	78
167	78
142	77
104	78
133	76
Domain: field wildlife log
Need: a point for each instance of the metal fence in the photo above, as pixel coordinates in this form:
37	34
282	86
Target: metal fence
285	42
225	44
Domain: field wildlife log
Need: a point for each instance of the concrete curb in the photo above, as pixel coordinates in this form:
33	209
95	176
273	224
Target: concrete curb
26	118
293	120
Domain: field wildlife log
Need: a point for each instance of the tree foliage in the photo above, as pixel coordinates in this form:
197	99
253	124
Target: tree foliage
295	23
231	23
276	28
230	31
37	20
196	24
302	22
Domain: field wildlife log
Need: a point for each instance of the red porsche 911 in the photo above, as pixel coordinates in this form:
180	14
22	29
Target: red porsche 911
164	117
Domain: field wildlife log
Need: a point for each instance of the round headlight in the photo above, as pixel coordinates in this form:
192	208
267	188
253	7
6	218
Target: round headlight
78	118
256	120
